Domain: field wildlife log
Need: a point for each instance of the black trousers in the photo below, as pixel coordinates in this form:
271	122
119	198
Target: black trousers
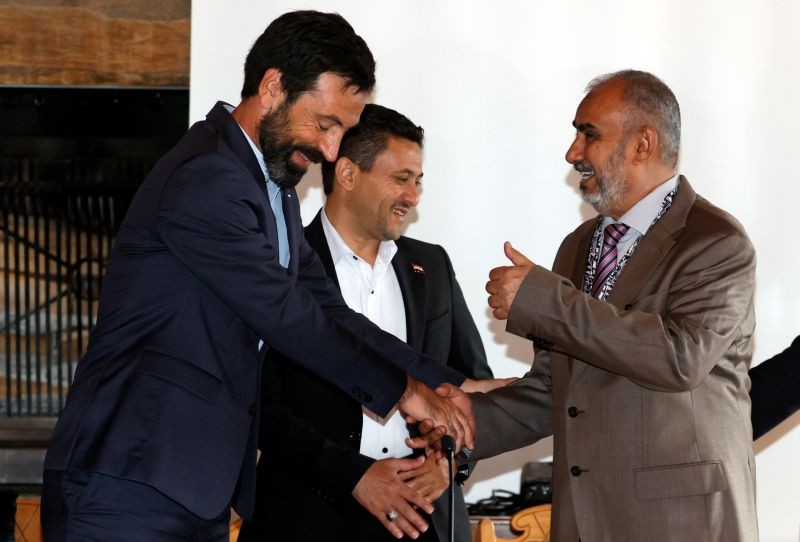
94	507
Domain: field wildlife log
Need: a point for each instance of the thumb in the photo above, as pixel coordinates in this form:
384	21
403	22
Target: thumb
406	464
516	257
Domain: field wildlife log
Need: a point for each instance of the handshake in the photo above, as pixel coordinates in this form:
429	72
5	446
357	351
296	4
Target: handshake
393	490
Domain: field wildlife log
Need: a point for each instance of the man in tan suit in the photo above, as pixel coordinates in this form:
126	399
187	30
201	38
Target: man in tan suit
642	335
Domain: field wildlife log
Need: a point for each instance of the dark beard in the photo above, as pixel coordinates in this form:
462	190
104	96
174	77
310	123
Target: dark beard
277	148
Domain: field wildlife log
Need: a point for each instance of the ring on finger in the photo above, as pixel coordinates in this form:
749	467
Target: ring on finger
392	515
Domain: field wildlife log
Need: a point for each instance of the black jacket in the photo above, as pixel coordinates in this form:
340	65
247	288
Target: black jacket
311	431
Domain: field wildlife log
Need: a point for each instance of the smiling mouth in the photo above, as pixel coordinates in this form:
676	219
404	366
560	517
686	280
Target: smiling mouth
301	159
400	212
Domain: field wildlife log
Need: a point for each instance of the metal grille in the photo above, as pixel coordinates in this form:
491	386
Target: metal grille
71	159
55	238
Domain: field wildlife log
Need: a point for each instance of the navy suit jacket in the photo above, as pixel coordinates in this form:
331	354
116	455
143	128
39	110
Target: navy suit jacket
775	389
167	393
310	459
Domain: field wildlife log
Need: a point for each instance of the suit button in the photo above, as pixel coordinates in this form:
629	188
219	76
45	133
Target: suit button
361	395
252	410
575	470
573	412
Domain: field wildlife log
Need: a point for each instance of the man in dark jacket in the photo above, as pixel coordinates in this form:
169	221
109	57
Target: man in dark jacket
337	463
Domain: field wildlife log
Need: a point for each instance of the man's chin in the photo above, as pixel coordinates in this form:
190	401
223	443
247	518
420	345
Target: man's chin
592	199
289	181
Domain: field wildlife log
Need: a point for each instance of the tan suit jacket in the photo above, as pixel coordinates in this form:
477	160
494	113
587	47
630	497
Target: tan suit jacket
646	393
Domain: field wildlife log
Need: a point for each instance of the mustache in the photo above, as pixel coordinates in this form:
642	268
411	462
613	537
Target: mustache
315	155
582	166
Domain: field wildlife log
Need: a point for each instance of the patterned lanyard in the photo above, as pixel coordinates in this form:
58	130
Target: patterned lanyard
594	251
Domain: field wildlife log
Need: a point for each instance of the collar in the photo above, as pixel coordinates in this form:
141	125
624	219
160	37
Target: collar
339	249
640	217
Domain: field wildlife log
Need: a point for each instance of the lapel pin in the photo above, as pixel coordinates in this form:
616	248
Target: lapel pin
417	268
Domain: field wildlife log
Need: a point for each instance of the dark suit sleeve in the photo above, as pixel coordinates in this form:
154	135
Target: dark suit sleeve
775	389
290	441
208	219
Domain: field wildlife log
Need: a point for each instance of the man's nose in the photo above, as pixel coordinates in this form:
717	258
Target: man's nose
411	194
575	152
330	146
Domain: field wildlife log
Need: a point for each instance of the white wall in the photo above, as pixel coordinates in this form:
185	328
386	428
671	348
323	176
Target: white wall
495	86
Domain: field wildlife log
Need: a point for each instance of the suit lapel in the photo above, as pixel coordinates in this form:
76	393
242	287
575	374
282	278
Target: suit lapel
315	236
412	286
571	264
237	141
653	248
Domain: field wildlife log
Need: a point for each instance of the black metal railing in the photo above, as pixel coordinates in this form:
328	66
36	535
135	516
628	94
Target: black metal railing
55	238
71	159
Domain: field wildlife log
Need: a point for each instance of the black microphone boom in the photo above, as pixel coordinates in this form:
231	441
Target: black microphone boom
449	448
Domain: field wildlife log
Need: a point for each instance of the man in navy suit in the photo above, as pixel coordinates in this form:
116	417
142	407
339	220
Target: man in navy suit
210	271
338	464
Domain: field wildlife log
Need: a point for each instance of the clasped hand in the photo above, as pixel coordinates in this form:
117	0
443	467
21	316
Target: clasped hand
403	486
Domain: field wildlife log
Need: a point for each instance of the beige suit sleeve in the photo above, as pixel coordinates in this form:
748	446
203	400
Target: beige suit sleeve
516	415
669	335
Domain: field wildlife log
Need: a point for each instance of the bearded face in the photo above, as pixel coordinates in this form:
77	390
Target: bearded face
610	183
286	160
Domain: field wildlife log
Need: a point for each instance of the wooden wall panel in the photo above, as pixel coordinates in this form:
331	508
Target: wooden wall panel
92	42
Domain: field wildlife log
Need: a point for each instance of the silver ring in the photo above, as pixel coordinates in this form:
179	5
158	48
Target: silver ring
465	452
391	516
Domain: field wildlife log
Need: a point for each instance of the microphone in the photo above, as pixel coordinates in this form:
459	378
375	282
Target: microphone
449	448
449	445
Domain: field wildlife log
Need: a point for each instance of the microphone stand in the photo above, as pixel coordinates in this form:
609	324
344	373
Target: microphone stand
449	448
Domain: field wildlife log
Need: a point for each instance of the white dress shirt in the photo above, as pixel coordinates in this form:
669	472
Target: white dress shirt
374	292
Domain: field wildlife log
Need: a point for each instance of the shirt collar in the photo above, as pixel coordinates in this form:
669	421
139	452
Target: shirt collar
339	249
641	216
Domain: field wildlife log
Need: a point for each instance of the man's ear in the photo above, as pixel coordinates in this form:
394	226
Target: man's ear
646	144
346	173
270	89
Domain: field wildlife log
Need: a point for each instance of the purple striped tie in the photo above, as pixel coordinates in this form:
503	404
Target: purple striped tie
608	256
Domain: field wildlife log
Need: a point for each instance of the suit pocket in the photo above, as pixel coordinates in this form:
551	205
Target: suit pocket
683	480
181	373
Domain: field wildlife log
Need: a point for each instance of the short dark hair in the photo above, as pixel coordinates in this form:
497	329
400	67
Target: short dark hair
305	44
648	99
365	141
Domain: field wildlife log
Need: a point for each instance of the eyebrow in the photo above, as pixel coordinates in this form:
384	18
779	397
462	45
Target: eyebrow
408	172
583	127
